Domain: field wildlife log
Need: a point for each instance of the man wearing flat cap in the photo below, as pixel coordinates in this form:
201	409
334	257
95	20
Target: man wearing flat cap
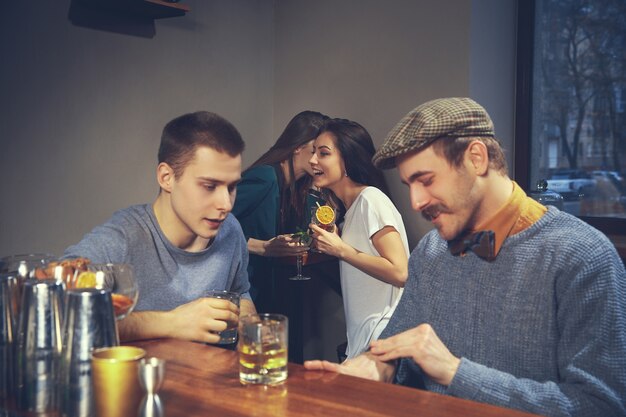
507	302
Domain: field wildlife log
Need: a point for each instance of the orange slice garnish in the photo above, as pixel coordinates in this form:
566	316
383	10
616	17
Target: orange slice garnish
325	214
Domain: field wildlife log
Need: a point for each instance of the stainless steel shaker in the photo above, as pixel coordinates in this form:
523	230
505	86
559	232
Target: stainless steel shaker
89	323
38	346
8	318
24	265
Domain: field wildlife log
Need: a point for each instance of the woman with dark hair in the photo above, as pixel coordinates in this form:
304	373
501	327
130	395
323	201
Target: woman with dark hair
273	201
373	248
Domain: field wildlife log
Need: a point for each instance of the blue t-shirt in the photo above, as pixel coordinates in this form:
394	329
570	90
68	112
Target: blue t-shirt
167	276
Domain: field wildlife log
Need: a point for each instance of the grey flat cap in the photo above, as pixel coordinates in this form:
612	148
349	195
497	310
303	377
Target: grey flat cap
445	117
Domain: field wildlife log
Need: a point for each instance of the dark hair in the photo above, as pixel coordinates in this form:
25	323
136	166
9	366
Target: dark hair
300	130
453	150
184	134
357	149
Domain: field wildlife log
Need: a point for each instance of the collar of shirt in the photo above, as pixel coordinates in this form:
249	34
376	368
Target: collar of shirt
517	214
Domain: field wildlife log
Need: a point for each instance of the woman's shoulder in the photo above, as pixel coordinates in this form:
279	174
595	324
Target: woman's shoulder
373	195
260	171
260	178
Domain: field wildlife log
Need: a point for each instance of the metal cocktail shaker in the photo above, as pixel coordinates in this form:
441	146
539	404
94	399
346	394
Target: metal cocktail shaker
39	345
8	318
24	265
89	323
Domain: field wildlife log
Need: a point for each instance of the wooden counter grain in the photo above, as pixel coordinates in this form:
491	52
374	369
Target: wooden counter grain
203	380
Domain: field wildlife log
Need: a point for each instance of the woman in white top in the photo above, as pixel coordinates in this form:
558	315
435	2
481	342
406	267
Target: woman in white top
373	248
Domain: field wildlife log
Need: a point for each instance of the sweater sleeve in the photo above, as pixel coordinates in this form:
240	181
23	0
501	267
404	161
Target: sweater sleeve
591	350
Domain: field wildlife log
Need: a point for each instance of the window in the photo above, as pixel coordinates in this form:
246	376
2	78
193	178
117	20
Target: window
571	118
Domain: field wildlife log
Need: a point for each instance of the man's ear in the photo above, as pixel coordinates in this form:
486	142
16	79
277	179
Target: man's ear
165	176
478	157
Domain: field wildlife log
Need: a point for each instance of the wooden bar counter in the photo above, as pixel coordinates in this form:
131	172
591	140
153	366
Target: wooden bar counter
203	380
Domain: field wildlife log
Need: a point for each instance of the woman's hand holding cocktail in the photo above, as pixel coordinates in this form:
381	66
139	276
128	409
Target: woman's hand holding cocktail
329	242
281	245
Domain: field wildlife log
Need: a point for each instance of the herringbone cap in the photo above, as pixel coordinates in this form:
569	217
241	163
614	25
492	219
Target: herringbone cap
446	117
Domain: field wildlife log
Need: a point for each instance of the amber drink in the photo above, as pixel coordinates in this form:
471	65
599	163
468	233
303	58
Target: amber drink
263	349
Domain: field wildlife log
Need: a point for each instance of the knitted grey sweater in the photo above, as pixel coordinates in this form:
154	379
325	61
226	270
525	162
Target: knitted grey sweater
541	329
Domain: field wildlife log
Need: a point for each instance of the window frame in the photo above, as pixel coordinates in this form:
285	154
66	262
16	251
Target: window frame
523	113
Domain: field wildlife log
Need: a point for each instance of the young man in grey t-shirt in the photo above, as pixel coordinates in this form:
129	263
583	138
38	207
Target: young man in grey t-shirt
186	242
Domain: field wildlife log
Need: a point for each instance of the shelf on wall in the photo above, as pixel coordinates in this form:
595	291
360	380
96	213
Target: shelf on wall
154	9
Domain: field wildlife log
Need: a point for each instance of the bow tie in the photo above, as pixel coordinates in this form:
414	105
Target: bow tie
482	243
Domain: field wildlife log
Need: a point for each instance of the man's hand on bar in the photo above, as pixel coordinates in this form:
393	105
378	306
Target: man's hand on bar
198	320
365	366
421	344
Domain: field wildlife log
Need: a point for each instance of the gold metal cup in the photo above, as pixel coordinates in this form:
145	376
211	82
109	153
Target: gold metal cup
117	392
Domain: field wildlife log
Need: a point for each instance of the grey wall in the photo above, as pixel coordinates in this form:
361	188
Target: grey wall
373	61
81	110
492	66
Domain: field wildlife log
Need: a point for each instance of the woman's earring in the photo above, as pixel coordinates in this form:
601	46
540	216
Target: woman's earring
345	173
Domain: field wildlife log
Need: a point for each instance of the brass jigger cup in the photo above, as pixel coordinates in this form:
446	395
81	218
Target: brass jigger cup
151	372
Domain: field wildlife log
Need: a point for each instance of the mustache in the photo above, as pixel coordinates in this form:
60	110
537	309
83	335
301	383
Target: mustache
430	212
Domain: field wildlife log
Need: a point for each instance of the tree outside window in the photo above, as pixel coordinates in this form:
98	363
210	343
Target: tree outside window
578	104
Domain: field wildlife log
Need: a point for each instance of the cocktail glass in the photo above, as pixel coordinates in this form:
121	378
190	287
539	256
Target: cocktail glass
330	226
120	280
300	260
24	265
303	240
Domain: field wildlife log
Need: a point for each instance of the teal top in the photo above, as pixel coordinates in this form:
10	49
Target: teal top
257	208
